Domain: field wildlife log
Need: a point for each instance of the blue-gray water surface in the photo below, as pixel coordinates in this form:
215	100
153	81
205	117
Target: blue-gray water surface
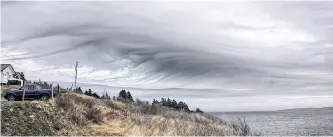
293	122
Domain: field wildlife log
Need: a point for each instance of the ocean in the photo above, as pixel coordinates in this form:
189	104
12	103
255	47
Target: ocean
292	122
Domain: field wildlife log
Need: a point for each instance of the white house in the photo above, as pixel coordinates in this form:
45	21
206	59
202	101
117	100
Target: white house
8	74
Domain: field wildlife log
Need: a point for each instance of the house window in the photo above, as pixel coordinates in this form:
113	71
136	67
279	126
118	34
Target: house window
8	75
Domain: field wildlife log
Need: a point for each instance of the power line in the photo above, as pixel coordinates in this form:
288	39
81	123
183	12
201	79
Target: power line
11	35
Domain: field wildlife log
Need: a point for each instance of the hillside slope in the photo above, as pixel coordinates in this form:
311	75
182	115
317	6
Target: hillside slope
76	114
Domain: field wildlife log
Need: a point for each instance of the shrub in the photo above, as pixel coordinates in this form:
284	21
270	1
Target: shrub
199	111
78	118
241	126
125	111
111	104
80	110
139	102
63	102
94	114
145	109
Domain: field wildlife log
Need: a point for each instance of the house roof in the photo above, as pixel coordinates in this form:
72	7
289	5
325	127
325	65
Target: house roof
18	74
4	66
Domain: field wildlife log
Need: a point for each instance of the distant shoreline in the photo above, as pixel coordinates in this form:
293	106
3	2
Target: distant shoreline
267	111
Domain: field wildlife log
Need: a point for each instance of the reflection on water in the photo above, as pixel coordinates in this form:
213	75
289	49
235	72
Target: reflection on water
315	122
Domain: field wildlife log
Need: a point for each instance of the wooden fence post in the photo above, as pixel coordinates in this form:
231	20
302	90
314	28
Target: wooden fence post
52	91
23	94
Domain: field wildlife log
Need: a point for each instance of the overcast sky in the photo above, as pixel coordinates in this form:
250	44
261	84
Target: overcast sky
219	56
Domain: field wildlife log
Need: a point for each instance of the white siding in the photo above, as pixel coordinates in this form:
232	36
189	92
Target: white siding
4	78
6	74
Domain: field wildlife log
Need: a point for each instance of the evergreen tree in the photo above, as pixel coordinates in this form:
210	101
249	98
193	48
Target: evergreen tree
122	95
186	107
90	92
78	90
129	96
180	105
107	96
96	95
199	111
174	104
168	103
103	96
85	92
163	102
155	102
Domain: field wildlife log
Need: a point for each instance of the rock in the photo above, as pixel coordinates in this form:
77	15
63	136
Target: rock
39	107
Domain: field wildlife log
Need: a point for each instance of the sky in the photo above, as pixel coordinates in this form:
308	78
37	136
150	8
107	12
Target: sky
218	56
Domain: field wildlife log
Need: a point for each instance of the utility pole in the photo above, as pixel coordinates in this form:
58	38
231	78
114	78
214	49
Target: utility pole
75	74
52	91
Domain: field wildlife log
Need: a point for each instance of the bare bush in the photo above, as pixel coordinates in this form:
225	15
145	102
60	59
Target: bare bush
95	115
80	110
63	102
125	111
78	119
242	127
111	104
139	102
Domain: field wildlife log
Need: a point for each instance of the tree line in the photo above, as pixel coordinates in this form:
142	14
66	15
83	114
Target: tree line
172	104
90	93
123	96
127	96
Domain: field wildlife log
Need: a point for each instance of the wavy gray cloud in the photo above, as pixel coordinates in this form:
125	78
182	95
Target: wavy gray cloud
232	56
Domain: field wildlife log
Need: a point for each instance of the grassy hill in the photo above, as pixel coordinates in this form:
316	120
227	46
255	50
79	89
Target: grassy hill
78	114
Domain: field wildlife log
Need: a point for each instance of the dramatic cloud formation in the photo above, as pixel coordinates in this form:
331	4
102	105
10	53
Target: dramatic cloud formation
215	55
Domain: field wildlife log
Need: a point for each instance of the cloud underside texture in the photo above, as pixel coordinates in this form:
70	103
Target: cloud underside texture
207	50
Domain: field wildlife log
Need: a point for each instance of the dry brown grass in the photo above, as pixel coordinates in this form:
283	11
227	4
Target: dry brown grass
77	114
147	120
80	109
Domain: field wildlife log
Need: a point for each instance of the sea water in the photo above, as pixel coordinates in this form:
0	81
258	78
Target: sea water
293	122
